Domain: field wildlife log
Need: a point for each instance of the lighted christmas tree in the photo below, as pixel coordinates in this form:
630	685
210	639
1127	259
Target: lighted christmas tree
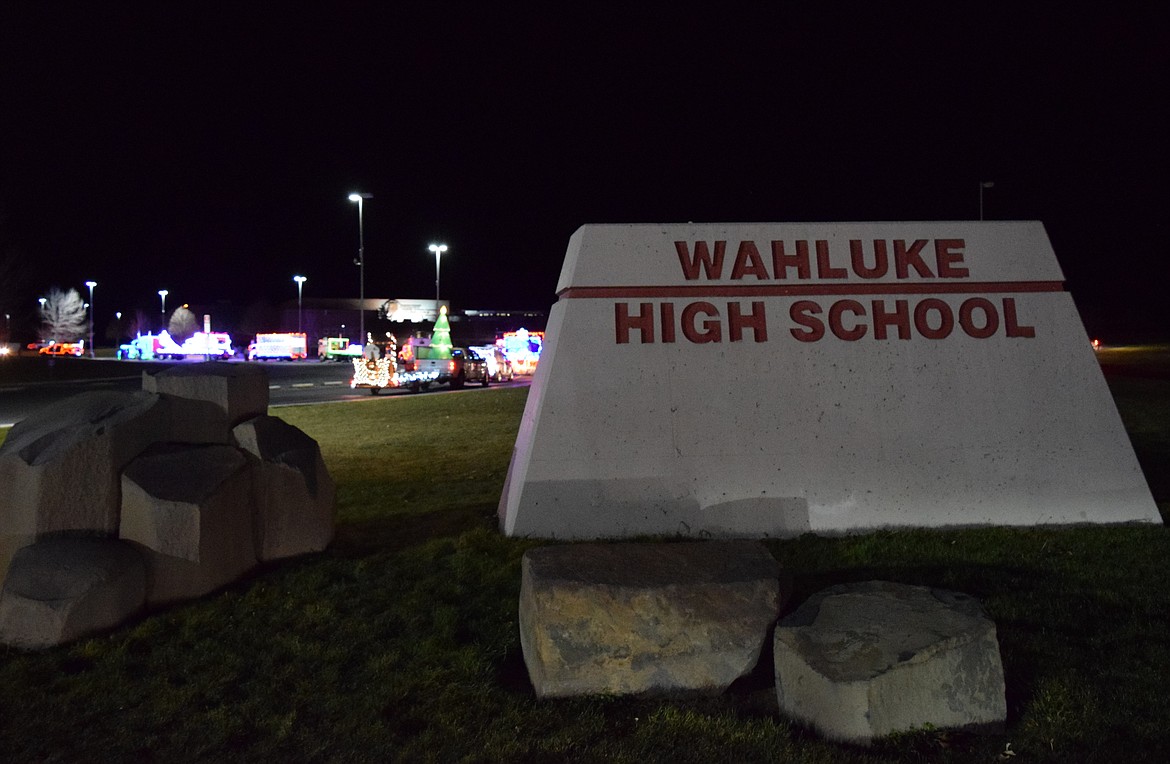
441	335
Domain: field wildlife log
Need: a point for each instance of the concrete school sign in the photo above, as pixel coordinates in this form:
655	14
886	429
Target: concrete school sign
771	379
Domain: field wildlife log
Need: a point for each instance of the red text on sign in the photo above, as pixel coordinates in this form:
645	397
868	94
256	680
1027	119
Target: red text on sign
932	318
698	322
921	258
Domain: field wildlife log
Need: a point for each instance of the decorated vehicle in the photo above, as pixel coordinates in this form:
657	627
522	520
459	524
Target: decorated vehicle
144	347
384	373
63	348
289	345
381	367
147	347
337	349
523	350
456	366
213	344
420	362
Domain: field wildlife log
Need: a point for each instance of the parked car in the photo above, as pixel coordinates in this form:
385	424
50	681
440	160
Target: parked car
467	366
498	365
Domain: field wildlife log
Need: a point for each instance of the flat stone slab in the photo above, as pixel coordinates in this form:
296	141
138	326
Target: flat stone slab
240	391
295	495
189	509
860	661
645	618
59	589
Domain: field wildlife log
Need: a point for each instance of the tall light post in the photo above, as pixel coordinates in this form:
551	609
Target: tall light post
91	285
438	249
163	294
361	263
300	283
982	185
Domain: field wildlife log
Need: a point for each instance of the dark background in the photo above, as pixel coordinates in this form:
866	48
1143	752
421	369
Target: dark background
208	148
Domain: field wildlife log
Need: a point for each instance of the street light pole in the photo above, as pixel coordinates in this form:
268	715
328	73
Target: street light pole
361	263
163	294
438	249
300	282
91	285
982	185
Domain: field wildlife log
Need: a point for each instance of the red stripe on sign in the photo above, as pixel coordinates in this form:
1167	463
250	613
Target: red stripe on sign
813	290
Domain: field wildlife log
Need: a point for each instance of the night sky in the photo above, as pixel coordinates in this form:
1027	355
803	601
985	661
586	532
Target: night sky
208	148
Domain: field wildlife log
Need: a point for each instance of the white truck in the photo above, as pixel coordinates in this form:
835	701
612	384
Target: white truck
291	346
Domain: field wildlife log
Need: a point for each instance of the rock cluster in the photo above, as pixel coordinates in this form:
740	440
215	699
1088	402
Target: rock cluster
113	501
856	662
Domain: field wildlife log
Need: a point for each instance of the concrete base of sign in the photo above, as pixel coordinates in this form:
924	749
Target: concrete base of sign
860	661
645	618
60	589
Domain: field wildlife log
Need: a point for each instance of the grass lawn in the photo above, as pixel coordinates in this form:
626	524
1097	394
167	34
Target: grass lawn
400	641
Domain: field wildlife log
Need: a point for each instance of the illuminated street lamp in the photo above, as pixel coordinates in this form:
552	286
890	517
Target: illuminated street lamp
361	263
91	285
438	249
300	283
982	185
163	294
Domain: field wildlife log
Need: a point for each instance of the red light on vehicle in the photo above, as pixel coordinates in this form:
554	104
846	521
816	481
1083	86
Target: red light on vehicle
451	366
1096	344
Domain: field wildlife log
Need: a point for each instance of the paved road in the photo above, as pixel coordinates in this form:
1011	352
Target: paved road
36	384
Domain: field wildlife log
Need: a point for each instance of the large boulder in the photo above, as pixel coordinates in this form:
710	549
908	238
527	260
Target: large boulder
645	618
237	391
59	467
295	495
59	589
189	509
859	661
194	421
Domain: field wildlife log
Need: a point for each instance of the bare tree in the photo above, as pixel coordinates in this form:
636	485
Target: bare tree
63	317
183	325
